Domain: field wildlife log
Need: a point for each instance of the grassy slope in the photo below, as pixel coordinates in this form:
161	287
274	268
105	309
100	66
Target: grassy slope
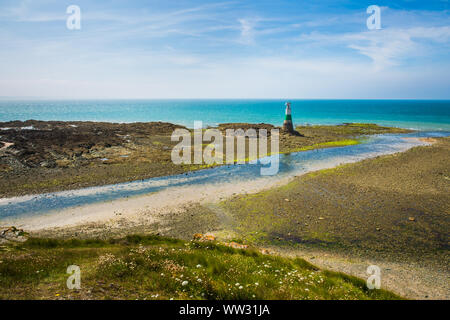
151	267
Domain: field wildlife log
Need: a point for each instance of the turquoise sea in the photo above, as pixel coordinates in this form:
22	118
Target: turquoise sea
415	114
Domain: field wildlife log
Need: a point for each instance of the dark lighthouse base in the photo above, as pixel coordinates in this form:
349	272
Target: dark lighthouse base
288	128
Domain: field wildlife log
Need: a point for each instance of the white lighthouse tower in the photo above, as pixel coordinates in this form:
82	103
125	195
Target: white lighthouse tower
287	124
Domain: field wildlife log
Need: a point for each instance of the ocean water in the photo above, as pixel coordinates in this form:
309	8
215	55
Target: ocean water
415	114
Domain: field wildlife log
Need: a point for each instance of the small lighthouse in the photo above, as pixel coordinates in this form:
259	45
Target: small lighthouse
287	125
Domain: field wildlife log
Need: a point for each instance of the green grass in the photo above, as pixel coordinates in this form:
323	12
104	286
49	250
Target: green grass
152	267
328	144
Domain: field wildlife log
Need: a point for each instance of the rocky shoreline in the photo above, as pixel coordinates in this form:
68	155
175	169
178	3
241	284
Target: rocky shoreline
47	156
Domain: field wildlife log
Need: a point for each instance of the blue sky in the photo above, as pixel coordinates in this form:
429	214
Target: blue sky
225	49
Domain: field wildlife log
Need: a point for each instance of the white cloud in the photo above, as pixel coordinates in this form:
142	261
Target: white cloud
24	12
386	47
246	28
201	52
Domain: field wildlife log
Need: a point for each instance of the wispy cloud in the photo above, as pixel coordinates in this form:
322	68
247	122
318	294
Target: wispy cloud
223	49
246	27
387	47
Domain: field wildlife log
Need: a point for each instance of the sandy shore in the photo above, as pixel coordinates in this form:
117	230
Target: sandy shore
427	140
146	209
154	207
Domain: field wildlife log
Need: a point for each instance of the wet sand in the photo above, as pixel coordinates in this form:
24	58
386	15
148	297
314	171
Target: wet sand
145	209
140	210
48	156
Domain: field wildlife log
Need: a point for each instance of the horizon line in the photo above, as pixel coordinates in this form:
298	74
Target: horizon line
168	99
